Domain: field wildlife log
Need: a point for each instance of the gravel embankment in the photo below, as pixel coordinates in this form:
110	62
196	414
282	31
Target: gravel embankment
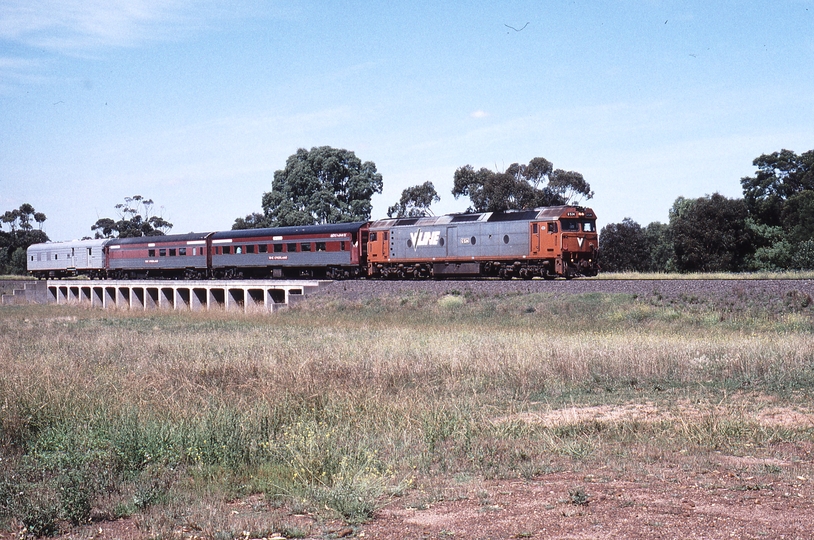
684	290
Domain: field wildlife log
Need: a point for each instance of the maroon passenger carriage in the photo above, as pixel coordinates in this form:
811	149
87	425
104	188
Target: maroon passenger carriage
333	251
176	256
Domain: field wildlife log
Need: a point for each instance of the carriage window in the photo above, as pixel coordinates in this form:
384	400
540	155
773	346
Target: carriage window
56	256
473	240
194	251
552	227
238	250
588	226
278	248
569	224
305	246
505	238
250	249
291	247
227	250
162	252
341	246
320	246
90	252
151	253
263	248
182	251
172	252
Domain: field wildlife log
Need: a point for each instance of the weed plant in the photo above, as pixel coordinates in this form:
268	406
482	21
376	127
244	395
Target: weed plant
342	404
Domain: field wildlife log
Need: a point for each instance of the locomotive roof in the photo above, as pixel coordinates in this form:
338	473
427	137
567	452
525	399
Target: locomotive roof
161	239
544	213
299	229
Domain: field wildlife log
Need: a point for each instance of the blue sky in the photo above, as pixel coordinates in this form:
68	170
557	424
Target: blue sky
195	104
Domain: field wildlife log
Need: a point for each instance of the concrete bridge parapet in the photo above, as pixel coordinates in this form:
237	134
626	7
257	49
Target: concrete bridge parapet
193	295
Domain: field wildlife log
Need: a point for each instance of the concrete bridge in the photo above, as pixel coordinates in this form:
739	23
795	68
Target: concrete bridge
193	295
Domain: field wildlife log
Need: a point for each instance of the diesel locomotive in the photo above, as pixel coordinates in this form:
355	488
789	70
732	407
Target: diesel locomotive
549	242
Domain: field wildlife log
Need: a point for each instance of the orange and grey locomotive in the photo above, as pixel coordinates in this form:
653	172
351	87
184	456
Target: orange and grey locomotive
546	242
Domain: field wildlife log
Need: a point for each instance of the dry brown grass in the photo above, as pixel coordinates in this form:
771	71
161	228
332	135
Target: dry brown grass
339	404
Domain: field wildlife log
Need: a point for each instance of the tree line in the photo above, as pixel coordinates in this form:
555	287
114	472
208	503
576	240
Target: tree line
332	185
20	234
771	228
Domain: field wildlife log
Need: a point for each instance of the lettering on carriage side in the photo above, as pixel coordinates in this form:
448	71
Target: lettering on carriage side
151	261
339	235
278	257
425	238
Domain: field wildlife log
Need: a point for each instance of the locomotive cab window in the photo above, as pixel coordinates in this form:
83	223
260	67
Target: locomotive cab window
552	227
569	225
373	237
588	226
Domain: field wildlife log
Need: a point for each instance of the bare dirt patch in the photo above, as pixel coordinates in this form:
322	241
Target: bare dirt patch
667	502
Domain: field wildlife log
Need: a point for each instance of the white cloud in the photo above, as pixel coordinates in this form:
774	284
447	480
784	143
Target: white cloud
76	26
479	114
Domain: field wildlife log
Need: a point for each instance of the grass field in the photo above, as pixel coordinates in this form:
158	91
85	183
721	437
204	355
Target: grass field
336	406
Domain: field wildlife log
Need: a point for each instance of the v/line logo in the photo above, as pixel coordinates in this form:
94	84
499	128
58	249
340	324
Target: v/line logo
426	238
